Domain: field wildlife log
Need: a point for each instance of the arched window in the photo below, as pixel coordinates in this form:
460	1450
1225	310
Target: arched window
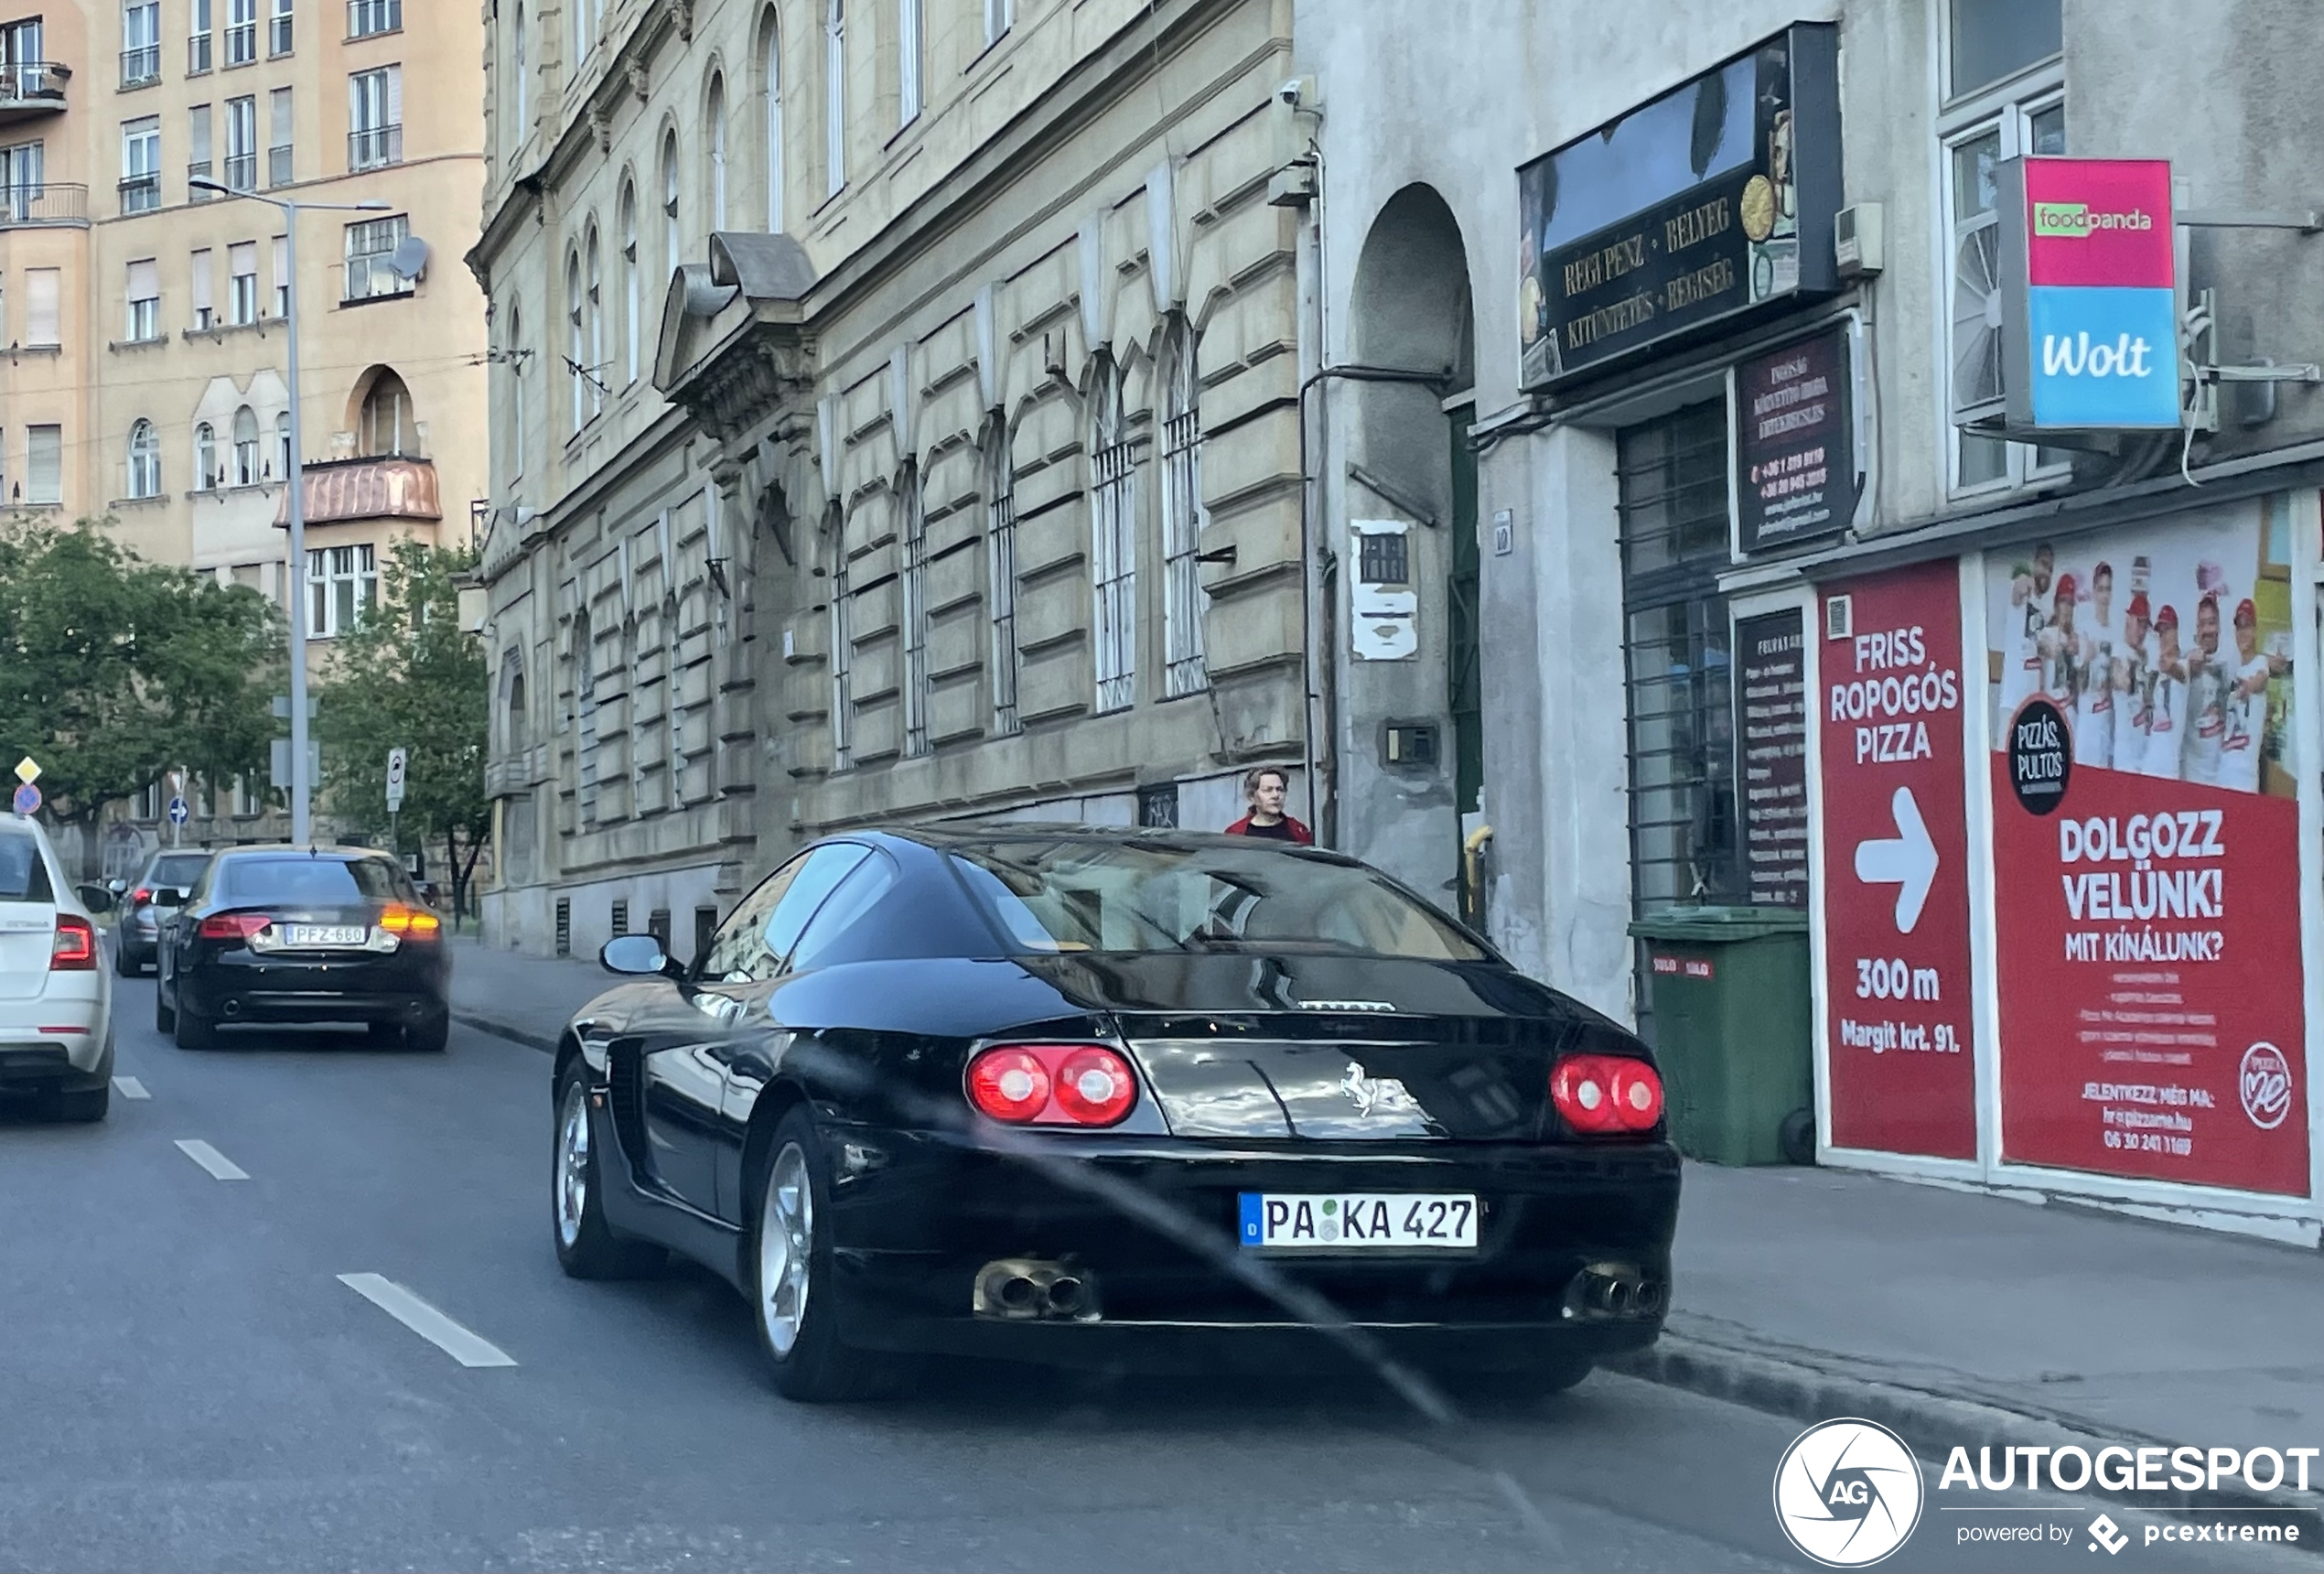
630	304
672	249
284	467
1000	540
1182	595
835	94
523	85
205	457
573	348
717	170
515	351
770	59
1113	561
597	326
145	461
246	447
517	730
389	426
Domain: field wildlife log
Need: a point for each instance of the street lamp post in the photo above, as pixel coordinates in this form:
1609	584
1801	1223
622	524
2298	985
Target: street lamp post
302	786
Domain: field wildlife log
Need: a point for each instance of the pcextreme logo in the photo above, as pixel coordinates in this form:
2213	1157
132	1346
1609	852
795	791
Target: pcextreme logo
2076	221
1847	1492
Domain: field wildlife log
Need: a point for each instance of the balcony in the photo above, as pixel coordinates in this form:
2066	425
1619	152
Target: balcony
29	89
374	148
278	165
367	18
140	193
141	67
241	171
53	202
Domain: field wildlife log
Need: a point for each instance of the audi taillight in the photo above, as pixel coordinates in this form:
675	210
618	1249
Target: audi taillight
74	949
142	895
1052	1084
233	925
1602	1094
410	922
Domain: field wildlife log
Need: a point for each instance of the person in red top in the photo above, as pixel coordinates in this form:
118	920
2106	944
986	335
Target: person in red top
1264	790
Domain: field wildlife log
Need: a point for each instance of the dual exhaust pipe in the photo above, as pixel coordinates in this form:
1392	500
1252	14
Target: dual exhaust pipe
1025	1289
1604	1290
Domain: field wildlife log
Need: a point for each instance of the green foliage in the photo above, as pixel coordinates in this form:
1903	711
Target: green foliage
408	677
114	670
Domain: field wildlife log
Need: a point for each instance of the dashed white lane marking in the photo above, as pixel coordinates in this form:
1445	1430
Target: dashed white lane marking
130	1087
221	1167
467	1349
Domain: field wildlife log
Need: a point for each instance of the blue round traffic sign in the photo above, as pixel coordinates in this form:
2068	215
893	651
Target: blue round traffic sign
27	798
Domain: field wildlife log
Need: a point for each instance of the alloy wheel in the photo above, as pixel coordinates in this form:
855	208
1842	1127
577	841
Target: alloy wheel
786	1247
573	1163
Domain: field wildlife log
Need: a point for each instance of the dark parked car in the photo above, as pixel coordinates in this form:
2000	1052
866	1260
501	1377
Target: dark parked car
1041	1092
147	905
304	935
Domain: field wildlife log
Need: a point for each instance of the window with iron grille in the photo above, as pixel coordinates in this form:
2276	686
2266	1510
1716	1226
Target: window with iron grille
278	150
375	118
1673	508
620	918
1159	806
564	926
1383	558
278	30
242	144
915	680
241	32
141	165
1182	593
140	43
584	702
370	246
365	18
1000	540
842	654
1113	563
197	57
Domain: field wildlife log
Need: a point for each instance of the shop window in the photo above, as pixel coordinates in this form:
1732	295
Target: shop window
1685	846
2016	44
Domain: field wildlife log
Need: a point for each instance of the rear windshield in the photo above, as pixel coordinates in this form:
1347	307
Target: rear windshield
298	879
23	876
1051	896
178	869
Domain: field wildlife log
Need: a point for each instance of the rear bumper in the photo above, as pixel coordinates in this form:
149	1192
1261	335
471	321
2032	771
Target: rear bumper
40	1067
403	988
919	1223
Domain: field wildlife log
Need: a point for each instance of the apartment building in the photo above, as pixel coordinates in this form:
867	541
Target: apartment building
146	381
894	418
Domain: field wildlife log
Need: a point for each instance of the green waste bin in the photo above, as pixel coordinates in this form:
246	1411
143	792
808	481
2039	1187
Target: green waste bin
1731	1032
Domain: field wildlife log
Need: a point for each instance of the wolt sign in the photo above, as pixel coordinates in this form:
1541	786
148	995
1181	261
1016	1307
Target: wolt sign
2089	295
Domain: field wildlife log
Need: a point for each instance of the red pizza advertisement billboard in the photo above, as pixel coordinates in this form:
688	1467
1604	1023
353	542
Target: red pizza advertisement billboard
2146	848
1897	1000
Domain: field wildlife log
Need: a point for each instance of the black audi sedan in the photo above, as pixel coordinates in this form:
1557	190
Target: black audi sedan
1117	1098
304	935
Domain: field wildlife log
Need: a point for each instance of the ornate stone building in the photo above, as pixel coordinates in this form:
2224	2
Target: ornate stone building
895	415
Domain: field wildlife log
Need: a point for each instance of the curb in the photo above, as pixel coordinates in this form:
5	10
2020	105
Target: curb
500	1027
1933	1422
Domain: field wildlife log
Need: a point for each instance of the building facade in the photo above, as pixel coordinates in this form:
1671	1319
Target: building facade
896	416
1818	567
147	382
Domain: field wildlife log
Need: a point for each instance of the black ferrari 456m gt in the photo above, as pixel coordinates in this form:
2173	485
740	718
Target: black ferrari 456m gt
1122	1098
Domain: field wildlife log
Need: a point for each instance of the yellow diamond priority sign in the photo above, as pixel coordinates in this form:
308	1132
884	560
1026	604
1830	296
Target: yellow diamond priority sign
26	771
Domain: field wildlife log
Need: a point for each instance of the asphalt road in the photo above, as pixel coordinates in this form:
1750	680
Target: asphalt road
190	1382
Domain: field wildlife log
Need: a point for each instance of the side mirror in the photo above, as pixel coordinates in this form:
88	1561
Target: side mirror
117	886
97	898
636	956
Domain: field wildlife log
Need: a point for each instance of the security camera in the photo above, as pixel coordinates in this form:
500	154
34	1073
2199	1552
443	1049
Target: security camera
1298	93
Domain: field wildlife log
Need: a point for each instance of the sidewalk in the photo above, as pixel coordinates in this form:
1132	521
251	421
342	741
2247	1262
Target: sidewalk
1954	1317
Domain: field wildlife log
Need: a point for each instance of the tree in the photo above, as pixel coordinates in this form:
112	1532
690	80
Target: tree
114	670
408	677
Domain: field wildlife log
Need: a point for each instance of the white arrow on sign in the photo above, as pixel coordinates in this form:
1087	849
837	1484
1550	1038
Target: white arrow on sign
1909	863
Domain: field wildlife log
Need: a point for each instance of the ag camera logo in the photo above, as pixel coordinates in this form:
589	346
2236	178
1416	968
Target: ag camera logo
1848	1493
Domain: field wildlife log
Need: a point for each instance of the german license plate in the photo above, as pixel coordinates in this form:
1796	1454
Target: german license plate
319	935
1359	1222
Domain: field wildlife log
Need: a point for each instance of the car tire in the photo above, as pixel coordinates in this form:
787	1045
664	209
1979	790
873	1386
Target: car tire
429	1036
796	1318
193	1032
164	1014
83	1105
122	965
586	1246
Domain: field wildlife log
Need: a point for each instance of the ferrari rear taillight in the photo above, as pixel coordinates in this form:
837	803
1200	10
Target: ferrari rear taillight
1052	1084
233	925
1603	1093
74	949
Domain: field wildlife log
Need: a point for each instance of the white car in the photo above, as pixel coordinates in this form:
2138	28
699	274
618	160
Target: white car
55	994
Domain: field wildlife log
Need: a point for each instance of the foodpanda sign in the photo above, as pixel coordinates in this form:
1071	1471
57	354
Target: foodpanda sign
2090	294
